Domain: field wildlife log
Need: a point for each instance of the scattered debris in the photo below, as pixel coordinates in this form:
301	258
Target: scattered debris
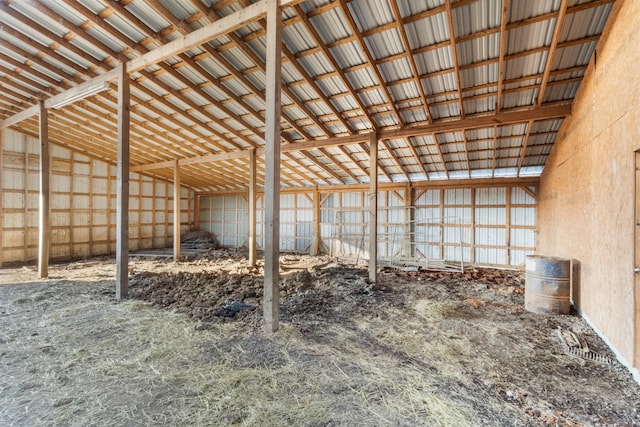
577	346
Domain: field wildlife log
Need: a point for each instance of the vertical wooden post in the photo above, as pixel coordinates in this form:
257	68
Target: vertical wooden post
411	221
373	207
196	212
315	233
122	213
472	236
43	211
176	210
252	229
508	225
272	170
25	236
2	134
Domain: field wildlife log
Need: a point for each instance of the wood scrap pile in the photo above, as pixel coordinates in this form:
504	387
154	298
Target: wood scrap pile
198	240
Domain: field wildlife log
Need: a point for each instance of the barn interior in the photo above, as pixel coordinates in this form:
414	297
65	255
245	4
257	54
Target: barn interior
318	212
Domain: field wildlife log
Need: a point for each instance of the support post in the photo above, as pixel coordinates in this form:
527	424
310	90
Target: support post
176	211
1	192
43	205
373	207
253	252
272	170
315	236
411	222
122	212
196	212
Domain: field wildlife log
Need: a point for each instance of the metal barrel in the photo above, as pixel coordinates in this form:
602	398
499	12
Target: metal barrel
547	285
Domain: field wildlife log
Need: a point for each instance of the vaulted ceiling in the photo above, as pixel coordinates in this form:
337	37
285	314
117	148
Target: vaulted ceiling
454	89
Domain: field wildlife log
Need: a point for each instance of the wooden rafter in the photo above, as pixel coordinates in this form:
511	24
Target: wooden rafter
454	60
552	50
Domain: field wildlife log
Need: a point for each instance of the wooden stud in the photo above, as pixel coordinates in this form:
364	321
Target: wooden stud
272	169
71	209
166	213
410	220
373	207
472	237
316	229
252	228
91	206
507	224
122	216
140	239
196	211
43	205
441	229
2	135
176	211
153	216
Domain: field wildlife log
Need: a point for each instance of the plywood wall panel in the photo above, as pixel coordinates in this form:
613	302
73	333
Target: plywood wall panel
586	199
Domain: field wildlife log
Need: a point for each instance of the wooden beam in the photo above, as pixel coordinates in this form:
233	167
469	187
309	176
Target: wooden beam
122	215
540	113
209	32
91	87
527	190
373	207
252	209
43	205
176	210
272	168
22	115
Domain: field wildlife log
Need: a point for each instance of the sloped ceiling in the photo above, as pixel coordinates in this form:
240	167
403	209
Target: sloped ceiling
454	89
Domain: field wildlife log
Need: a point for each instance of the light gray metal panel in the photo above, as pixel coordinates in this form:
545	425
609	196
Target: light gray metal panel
491	196
520	197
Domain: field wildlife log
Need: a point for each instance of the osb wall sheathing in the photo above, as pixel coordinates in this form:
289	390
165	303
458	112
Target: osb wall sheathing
83	204
586	200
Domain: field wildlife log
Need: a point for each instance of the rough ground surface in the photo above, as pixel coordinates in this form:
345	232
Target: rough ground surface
417	348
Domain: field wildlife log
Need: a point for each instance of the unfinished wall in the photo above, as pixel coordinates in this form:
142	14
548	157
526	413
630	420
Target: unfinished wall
83	204
586	200
486	226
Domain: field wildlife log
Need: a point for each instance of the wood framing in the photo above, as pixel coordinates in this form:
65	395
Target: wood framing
176	211
272	169
373	207
43	204
316	233
1	195
122	215
252	197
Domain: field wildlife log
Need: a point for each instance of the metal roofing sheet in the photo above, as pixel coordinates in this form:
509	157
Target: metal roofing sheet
219	104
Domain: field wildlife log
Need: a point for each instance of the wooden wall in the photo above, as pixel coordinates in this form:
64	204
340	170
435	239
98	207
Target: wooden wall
586	199
83	204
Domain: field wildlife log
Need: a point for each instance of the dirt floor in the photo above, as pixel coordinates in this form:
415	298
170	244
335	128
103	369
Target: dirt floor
416	349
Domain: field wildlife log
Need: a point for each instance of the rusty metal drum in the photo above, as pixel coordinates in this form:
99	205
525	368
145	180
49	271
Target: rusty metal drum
547	285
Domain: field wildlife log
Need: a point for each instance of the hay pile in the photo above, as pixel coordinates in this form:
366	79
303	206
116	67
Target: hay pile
412	350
